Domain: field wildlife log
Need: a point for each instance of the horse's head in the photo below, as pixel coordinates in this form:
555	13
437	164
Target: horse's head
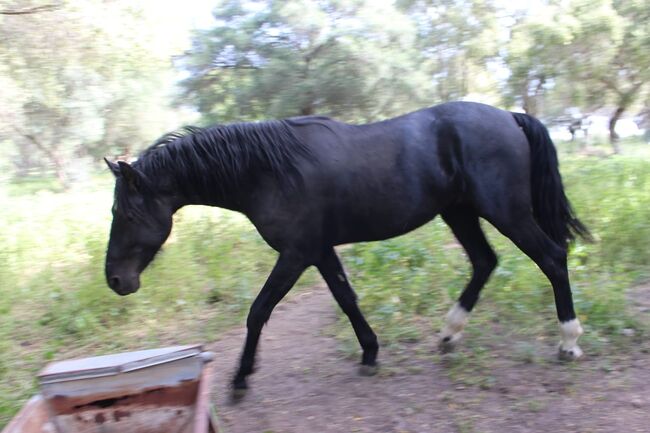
142	221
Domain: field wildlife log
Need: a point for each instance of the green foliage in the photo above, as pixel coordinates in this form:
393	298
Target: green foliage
63	107
81	80
456	40
356	60
536	46
581	53
277	59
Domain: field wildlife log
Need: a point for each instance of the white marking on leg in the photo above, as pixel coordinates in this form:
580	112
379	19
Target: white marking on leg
457	318
570	332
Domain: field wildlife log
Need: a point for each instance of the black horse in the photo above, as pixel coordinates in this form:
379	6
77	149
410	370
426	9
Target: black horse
310	183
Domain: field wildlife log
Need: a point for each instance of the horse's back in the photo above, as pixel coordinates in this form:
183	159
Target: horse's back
426	150
378	180
375	181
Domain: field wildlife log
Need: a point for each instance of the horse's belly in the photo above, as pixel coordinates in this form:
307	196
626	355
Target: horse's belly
359	224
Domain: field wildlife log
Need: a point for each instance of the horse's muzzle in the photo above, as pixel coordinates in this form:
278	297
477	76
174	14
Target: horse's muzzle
123	286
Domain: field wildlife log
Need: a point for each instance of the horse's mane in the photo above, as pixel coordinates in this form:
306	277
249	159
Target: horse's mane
218	157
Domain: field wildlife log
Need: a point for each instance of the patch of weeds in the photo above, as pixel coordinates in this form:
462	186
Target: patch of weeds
414	369
464	426
446	396
469	369
525	353
487	382
535	405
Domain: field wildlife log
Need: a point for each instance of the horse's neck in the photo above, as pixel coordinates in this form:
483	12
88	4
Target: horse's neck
231	196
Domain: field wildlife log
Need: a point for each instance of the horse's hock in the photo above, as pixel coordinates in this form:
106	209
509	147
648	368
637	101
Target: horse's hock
160	390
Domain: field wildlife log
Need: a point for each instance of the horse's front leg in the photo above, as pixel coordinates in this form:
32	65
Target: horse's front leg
285	273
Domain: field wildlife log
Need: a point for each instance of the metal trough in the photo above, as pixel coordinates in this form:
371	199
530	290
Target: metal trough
160	390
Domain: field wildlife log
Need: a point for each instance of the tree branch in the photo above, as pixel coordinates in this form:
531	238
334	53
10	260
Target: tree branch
47	151
610	85
318	48
32	10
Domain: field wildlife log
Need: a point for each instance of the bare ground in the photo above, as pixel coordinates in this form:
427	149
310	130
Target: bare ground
305	384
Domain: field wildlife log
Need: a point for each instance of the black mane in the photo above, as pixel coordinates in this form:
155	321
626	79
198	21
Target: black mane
205	160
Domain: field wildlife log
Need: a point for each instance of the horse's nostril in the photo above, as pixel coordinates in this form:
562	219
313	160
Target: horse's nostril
114	282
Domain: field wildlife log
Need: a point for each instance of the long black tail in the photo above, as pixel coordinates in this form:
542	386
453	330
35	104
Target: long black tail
551	207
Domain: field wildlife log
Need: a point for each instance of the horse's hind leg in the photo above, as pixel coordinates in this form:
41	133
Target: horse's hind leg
552	260
464	223
333	273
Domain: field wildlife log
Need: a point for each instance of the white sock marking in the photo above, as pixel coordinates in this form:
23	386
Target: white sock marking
570	332
457	318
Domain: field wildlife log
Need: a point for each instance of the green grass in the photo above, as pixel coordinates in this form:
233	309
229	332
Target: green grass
54	302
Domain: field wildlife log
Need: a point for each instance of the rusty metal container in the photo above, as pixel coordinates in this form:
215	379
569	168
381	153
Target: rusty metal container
160	390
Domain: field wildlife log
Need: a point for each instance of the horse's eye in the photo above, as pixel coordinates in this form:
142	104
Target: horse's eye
130	217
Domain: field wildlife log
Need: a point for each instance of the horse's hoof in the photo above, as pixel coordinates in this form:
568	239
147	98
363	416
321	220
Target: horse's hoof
368	370
239	388
569	354
447	345
238	394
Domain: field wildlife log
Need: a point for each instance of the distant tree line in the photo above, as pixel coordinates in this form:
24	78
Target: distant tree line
76	87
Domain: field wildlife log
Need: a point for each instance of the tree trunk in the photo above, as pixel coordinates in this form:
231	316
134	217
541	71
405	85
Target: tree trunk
32	10
59	170
532	102
528	104
613	136
54	157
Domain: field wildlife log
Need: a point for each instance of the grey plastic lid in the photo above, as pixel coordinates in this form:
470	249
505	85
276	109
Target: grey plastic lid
107	365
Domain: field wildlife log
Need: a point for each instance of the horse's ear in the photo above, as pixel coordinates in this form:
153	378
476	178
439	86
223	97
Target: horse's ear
134	179
115	169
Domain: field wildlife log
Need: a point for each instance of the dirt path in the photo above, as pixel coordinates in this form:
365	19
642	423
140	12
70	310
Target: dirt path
305	385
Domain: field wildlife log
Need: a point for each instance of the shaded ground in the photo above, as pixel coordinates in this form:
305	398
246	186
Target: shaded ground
305	384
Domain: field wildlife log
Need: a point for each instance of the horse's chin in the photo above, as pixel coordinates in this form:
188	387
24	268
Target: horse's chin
125	292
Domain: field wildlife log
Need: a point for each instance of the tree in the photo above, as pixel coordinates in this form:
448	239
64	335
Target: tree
275	58
586	53
613	44
535	52
456	41
76	86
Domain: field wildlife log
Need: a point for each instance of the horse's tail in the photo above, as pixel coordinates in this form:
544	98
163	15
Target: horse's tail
551	207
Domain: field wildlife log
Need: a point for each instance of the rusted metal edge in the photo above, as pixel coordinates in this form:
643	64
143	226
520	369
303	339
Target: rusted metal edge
203	415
